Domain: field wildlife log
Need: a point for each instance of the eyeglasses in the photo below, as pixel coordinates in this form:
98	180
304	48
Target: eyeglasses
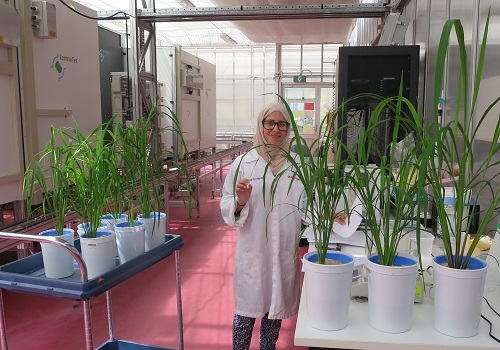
269	125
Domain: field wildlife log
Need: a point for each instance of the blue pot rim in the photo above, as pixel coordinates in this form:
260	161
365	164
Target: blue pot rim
474	263
53	232
154	215
112	217
87	224
399	260
343	258
127	224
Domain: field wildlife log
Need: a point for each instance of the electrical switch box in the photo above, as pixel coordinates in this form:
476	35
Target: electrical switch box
120	97
9	26
43	19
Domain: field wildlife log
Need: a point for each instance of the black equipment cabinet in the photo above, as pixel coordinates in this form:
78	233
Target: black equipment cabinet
376	70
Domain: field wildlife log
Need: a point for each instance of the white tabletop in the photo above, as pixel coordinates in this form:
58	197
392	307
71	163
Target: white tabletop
360	335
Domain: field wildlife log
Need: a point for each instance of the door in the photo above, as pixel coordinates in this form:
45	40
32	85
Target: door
309	103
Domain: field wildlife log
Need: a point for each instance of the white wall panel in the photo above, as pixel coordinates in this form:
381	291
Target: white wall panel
9	129
208	105
490	86
67	73
196	107
11	161
165	58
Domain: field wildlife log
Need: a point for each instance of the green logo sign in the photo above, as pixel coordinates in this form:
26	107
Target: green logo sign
299	78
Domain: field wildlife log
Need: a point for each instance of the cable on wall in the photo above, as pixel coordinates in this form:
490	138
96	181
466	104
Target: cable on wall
127	16
95	18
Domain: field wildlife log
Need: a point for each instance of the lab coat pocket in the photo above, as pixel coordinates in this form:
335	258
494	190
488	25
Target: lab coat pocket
289	263
253	267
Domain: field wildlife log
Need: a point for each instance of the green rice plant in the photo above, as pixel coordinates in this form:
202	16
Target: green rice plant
144	165
121	182
451	150
324	184
178	158
392	192
91	170
48	177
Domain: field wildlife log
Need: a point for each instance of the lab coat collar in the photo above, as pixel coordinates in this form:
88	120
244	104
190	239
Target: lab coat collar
251	156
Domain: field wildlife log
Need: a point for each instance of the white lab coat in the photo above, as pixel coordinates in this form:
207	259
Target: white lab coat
266	269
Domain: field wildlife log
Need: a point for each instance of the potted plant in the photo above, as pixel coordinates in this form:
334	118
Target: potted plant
325	199
121	183
453	163
130	233
392	195
48	175
90	170
147	166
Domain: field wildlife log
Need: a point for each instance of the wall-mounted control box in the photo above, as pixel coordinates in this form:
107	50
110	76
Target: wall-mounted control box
43	19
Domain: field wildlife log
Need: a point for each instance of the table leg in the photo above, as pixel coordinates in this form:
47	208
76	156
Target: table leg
3	331
179	301
88	324
110	315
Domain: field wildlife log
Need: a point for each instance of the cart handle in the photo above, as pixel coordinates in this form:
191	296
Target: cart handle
52	240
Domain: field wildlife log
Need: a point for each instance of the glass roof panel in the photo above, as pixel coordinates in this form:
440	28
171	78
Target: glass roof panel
188	34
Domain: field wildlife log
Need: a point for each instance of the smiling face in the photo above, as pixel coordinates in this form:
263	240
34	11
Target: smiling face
274	136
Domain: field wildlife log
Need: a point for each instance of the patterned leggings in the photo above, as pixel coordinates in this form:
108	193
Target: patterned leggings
242	332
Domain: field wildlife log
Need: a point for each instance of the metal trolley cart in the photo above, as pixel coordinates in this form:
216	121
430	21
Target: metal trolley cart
27	275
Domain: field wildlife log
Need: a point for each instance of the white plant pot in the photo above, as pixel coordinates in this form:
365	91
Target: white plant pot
98	253
112	220
57	261
391	293
80	229
328	291
449	197
156	228
458	297
130	240
426	243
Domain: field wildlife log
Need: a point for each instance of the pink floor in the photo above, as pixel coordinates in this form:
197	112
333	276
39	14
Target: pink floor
144	307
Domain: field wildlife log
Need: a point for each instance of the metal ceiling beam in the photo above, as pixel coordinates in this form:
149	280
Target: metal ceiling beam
239	13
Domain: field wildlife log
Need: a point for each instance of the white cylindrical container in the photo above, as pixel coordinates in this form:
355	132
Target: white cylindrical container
458	297
98	253
130	240
156	228
80	229
328	290
391	293
426	243
450	195
57	261
112	220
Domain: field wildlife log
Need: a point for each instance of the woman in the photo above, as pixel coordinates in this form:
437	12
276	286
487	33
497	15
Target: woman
266	271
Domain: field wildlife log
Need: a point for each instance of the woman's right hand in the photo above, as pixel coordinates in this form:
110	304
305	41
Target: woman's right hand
243	191
341	218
